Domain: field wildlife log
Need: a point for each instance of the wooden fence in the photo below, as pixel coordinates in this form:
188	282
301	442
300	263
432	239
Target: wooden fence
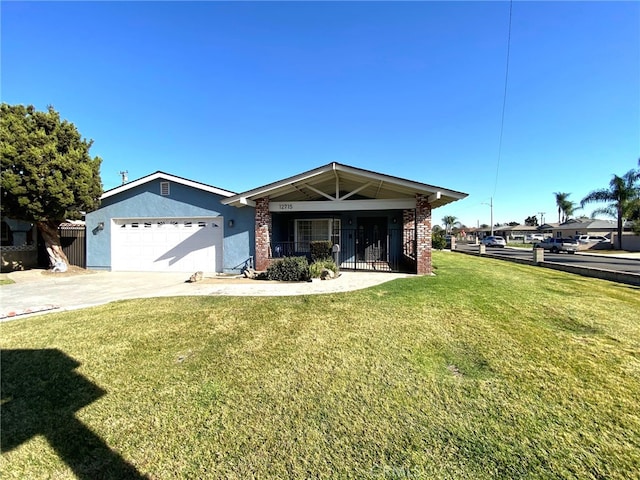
73	241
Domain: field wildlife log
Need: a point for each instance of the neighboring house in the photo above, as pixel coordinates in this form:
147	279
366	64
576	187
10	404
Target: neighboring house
570	228
375	221
19	249
582	226
515	232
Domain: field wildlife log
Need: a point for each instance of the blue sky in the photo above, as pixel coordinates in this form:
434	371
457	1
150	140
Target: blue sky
240	94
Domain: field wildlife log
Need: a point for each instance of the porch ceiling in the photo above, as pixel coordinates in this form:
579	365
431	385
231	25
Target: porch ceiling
341	182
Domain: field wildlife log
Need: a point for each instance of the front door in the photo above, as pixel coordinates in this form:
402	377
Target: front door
371	245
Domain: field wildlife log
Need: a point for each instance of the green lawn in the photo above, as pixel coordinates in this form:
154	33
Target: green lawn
487	370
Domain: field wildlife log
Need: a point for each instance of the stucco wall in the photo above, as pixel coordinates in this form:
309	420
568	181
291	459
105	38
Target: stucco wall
145	201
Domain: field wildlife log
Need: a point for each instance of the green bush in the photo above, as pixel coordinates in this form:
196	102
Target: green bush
289	269
315	269
438	242
321	249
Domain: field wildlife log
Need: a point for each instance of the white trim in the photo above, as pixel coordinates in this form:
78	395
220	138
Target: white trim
279	187
170	178
347	205
361	187
319	192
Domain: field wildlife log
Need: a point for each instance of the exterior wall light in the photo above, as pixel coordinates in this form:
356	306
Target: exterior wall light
230	223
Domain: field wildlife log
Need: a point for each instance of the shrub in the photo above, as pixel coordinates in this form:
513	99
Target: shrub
315	269
321	249
289	269
438	241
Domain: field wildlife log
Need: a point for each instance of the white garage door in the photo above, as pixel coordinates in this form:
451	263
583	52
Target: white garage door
167	244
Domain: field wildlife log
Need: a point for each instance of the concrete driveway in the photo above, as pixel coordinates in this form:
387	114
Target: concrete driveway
38	291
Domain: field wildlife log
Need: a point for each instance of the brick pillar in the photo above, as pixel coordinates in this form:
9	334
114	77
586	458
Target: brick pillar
408	235
263	233
423	235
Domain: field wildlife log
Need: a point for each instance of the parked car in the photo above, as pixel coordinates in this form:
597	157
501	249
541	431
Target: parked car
557	245
534	237
586	239
492	241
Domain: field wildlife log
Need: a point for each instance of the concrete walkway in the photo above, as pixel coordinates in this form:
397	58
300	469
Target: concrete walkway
38	291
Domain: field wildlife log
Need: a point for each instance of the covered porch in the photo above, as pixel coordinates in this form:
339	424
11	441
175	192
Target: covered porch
374	221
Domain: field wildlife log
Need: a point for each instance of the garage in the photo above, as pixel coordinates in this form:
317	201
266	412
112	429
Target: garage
167	244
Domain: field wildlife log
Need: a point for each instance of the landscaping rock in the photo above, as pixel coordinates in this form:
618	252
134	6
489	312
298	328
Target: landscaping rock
196	277
327	274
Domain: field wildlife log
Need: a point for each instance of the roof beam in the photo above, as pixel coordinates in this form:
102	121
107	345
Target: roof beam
434	197
319	192
379	187
360	188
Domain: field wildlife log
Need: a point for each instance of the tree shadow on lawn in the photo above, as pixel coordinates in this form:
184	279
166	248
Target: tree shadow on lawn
41	392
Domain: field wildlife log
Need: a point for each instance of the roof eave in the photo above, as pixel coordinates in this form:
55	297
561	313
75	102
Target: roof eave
445	195
166	176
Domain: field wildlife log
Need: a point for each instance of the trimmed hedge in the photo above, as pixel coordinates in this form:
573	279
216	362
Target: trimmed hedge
321	249
289	269
438	241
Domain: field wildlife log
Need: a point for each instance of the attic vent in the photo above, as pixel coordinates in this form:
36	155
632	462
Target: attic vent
164	188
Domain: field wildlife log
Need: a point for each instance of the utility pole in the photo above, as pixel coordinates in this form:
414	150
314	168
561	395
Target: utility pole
123	174
541	217
490	205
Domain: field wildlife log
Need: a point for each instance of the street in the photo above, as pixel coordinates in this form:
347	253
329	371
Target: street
581	259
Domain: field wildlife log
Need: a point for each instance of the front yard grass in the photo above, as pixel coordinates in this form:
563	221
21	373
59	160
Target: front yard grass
487	370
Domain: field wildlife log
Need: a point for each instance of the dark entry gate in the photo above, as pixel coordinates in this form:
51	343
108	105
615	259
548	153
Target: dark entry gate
72	239
373	246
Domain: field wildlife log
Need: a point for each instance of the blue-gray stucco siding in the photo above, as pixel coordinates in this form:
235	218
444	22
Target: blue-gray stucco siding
145	201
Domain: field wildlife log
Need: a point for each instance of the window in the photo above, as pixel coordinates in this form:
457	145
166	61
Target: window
317	229
164	188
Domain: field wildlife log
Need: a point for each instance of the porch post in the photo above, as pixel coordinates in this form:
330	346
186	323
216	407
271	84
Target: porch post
263	233
423	235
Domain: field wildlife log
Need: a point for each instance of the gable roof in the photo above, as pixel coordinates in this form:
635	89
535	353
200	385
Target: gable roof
170	178
336	181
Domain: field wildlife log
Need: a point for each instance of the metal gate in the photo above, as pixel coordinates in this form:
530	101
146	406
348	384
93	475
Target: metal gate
372	246
72	240
373	249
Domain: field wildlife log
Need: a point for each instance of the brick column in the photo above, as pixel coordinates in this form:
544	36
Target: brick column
408	235
423	235
263	233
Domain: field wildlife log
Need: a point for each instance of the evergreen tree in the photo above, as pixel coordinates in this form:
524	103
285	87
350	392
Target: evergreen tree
47	174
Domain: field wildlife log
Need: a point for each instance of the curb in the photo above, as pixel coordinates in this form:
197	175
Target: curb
26	311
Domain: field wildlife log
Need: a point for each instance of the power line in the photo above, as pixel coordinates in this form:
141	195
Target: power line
504	101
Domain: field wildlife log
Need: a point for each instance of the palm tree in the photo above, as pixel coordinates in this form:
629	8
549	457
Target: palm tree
449	221
635	207
623	195
565	206
568	209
